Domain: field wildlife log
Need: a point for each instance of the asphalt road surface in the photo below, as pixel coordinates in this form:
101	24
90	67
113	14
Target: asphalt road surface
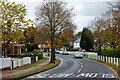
79	69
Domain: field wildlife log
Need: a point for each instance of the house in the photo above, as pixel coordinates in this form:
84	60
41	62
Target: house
75	43
44	46
13	48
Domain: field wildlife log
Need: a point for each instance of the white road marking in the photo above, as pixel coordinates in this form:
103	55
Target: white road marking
109	76
68	74
79	70
64	75
83	75
81	66
93	75
53	76
60	75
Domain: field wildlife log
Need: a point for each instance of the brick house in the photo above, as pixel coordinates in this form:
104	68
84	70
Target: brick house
13	48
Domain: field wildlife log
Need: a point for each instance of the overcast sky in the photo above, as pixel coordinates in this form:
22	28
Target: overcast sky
84	11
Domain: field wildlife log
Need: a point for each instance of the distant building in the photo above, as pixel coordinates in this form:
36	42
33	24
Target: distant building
44	46
75	43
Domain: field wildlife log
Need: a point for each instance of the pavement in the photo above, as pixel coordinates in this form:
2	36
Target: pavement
72	69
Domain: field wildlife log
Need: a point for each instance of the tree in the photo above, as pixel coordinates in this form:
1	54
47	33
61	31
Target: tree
106	28
87	40
31	38
56	18
12	19
64	38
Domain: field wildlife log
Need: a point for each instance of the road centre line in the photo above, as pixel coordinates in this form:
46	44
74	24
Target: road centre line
81	66
79	70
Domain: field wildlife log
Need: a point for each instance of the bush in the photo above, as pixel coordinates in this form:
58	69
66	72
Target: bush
74	50
111	52
38	53
20	56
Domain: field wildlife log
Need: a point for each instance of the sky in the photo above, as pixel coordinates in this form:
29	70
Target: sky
85	11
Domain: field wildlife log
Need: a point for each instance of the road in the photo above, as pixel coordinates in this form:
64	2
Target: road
76	69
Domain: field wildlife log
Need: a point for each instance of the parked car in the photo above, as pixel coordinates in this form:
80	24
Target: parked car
65	52
57	51
60	52
26	53
78	55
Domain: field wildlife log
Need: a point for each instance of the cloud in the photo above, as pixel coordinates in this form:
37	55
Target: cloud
85	10
82	21
93	8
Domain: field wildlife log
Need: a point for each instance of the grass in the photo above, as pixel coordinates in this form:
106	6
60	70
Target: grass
71	54
44	67
85	56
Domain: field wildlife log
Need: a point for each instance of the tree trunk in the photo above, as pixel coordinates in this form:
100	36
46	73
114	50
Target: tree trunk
99	47
52	47
52	60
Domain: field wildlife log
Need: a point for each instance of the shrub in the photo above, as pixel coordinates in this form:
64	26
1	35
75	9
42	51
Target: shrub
74	50
111	52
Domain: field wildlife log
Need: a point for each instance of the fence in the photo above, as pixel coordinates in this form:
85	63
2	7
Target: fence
113	60
20	62
15	62
5	62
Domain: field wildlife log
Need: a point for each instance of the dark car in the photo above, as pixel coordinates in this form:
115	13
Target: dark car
78	55
27	53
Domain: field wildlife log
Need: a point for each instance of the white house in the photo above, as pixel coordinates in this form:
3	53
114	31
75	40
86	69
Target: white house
75	43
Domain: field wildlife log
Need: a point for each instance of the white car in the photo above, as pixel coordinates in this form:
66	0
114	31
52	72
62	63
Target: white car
60	52
65	53
78	55
57	51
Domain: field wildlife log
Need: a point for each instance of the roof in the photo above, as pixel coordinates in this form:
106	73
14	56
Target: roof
19	45
77	39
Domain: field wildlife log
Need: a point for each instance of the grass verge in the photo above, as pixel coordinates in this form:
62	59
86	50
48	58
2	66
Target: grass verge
113	66
41	69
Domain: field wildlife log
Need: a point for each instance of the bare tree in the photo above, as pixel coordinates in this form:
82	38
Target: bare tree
56	18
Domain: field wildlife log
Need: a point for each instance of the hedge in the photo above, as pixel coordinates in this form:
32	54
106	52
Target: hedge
33	57
111	52
74	50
